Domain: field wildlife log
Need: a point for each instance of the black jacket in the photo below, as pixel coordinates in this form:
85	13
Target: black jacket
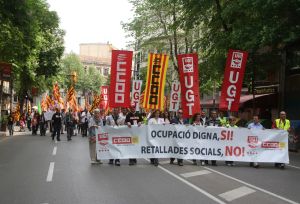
133	118
56	118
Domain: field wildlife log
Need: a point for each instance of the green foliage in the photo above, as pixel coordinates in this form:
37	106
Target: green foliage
212	27
31	39
88	79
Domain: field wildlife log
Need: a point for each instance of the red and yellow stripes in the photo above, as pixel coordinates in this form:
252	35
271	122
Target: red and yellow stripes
156	79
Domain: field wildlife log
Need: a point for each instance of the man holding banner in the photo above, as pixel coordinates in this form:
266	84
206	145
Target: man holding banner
114	120
94	122
133	118
214	121
178	120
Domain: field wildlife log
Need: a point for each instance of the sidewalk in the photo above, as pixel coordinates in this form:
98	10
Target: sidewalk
4	135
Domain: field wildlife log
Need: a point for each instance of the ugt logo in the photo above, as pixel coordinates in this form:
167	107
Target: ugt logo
188	64
236	60
253	141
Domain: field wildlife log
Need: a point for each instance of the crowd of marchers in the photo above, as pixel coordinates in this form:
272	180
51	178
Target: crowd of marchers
156	117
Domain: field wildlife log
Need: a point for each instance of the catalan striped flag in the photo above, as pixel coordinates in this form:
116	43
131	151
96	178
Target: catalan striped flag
155	83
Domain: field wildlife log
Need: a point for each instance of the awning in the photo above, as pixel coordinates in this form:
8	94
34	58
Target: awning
243	99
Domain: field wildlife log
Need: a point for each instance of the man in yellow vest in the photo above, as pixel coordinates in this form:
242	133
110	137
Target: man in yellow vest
282	124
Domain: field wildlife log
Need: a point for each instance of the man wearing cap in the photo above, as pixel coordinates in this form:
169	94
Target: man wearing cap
133	118
94	122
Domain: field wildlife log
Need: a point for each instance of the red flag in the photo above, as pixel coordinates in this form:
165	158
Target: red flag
189	81
136	93
119	92
233	80
104	97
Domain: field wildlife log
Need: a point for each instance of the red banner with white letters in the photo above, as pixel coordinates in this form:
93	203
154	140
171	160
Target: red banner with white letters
136	93
120	77
233	80
104	98
175	96
189	81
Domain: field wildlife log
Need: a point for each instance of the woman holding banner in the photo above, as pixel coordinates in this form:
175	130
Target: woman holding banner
166	117
231	125
155	120
196	120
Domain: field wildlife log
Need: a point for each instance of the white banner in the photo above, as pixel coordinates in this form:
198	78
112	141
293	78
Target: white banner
136	93
193	142
175	96
48	115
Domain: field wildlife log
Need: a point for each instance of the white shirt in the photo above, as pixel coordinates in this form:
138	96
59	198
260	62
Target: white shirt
122	118
153	121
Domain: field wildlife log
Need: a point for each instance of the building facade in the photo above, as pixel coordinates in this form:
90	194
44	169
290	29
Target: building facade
98	55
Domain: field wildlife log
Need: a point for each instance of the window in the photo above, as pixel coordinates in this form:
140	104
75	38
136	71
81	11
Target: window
15	98
5	88
106	71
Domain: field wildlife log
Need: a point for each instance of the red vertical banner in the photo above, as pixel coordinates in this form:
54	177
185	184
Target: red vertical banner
104	97
120	77
233	80
136	93
189	82
175	96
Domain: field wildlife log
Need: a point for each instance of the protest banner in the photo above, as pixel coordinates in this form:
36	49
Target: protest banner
120	77
189	81
193	142
104	98
233	80
136	93
175	96
155	83
48	115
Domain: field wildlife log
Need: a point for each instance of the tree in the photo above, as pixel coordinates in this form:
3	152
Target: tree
89	79
211	27
31	39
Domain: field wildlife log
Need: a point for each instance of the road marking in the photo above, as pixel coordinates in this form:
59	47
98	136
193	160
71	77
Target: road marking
195	173
236	193
55	141
252	186
296	167
50	172
164	162
191	185
54	151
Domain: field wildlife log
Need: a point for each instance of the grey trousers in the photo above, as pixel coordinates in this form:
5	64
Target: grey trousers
92	147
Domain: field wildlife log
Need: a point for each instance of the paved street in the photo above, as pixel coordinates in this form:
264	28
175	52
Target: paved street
36	170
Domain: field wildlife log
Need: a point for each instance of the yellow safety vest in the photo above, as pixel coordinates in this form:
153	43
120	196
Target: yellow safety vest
229	126
223	121
283	125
